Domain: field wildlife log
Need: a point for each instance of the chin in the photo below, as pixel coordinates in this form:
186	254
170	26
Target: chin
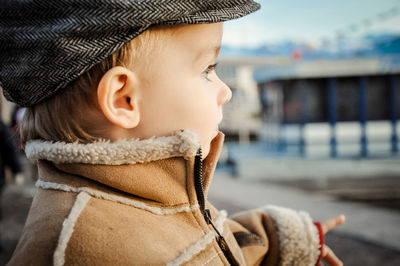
205	150
215	133
205	147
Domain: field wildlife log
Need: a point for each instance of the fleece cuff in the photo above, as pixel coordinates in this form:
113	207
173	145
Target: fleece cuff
298	236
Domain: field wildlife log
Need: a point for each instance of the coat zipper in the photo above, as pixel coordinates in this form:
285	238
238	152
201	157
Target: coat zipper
198	182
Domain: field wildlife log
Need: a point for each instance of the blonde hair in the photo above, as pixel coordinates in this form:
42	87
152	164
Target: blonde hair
63	117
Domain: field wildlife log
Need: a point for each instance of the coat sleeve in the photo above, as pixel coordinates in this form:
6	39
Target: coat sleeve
276	236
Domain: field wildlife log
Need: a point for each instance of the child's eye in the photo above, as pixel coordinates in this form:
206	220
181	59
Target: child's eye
209	69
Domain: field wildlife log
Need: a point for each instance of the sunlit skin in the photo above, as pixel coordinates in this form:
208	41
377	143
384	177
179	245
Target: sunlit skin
179	91
327	254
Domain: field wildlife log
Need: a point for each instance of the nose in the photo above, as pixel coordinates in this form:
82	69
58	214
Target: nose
224	93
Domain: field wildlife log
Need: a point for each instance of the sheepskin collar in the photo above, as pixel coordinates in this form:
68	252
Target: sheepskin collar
184	143
157	169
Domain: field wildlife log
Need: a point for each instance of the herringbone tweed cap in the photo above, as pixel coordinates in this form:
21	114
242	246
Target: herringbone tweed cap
46	44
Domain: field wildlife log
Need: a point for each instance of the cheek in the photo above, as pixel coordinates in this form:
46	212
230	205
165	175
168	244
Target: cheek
183	104
194	96
205	104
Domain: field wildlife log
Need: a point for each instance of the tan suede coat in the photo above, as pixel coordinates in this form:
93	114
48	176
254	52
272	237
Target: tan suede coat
144	209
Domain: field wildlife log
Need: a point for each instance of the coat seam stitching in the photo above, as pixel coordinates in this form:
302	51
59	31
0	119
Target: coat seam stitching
191	250
116	198
212	258
223	258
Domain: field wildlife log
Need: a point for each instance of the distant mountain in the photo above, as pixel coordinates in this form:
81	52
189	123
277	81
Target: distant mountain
389	47
368	45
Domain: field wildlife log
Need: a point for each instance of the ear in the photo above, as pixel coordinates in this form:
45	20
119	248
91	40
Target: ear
117	97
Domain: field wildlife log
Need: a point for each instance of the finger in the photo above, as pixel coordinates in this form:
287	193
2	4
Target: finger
329	224
330	257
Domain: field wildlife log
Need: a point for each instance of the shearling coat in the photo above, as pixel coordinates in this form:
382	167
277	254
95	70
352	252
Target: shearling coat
143	202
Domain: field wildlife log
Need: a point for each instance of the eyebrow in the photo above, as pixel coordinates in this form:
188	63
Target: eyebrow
214	50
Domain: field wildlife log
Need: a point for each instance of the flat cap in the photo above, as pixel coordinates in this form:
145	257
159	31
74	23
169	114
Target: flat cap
45	44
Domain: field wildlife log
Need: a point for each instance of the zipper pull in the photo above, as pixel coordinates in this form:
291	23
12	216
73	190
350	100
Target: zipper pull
223	244
221	240
207	216
228	253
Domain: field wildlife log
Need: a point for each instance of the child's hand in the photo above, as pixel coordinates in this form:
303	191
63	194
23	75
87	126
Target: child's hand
327	253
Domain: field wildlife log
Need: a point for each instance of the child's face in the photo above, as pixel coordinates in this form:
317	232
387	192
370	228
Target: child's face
182	90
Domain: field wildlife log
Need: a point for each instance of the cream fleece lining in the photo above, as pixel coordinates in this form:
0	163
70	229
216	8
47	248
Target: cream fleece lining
102	195
298	236
202	243
68	228
184	143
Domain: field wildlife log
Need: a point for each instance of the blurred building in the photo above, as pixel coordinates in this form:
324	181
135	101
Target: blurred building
340	107
242	114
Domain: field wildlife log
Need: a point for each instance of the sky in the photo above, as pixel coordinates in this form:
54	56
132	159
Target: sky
312	21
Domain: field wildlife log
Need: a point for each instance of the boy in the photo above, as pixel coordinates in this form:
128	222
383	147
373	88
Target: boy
124	105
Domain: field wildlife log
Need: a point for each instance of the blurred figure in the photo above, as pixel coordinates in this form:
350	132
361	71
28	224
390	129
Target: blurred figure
8	154
16	118
8	158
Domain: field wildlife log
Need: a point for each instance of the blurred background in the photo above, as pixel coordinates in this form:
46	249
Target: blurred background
313	123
